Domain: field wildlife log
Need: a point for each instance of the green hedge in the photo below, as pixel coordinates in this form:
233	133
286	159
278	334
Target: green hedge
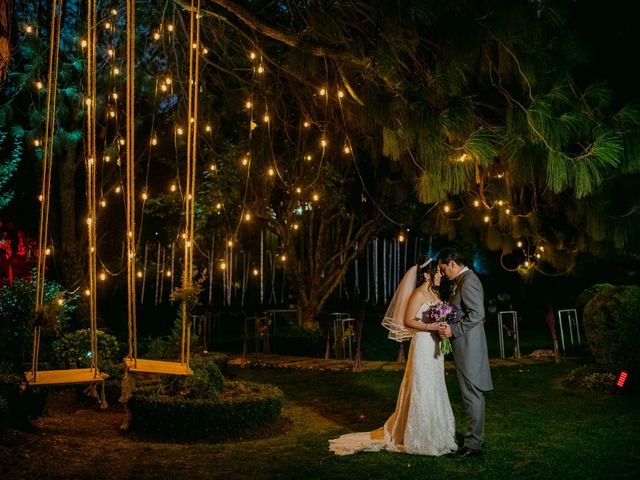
23	404
241	407
4	414
612	327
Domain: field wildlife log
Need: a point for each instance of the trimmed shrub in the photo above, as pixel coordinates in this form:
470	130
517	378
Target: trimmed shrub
23	404
590	377
612	327
589	293
4	414
241	407
73	350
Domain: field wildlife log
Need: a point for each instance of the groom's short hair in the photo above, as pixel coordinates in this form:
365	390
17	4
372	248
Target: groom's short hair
452	253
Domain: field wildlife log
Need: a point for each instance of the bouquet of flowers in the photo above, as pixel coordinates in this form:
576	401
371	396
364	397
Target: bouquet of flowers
441	312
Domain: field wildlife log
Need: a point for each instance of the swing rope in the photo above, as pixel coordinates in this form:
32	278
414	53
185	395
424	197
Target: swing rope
130	182
47	161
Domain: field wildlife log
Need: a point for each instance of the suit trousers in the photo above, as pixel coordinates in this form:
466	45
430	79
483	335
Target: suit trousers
473	399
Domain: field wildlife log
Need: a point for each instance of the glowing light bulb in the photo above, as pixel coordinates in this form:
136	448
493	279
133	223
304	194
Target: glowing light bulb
110	52
308	158
114	95
40	198
88	101
347	149
486	219
306	124
223	266
538	255
89	221
212	167
507	211
205	50
83	43
541	248
207	128
156	35
446	209
401	237
271	172
39	85
145	196
245	161
163	87
265	119
218	206
255	272
476	203
114	11
139	274
36	142
283	258
340	94
323	91
122	141
247	217
295	226
519	244
28	29
526	263
107	158
103	277
118	189
154	140
323	142
298	190
103	203
260	69
252	55
60	301
230	243
179	131
87	292
116	71
47	251
112	113
194	45
500	202
107	25
462	157
173	187
315	197
168	273
170	27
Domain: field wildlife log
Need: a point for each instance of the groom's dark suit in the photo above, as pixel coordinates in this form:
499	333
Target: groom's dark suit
470	353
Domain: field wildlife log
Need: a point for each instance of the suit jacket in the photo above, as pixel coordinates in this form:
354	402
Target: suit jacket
469	341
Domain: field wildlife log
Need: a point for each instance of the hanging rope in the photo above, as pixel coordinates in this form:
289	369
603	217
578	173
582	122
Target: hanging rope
130	180
91	162
47	162
190	193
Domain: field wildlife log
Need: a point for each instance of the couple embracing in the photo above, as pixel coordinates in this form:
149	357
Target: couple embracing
423	422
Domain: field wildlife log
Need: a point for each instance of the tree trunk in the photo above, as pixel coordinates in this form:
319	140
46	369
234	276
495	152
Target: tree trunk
71	249
5	39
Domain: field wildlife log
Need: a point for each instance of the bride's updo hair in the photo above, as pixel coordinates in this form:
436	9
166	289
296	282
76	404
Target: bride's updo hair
425	265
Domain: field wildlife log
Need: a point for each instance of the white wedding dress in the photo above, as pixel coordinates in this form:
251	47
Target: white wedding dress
423	421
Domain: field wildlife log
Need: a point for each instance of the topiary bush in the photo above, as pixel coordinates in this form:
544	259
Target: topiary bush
588	293
73	350
612	327
240	408
23	404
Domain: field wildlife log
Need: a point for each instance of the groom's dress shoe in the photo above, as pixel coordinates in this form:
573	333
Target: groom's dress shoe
468	452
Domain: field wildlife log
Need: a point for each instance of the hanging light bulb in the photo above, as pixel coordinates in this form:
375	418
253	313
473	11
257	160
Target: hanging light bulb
139	274
401	237
306	124
340	94
298	190
170	27
247	217
47	251
114	11
252	55
347	149
205	50
87	292
168	273
110	52
173	187
154	140
295	226
283	258
446	209
60	301
145	196
245	161
107	158
28	28
308	158
36	142
103	203
103	276
118	189
315	197
207	128
271	172
163	87
248	104
223	266
218	206
83	43
265	119
39	85
156	35
323	91
486	219
179	131
519	244
107	25
255	272
476	203
114	95
229	243
212	167
260	69
323	143
116	71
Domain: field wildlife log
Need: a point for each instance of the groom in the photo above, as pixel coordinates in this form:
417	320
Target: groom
469	344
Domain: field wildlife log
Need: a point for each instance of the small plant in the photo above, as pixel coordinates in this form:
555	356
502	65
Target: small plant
590	377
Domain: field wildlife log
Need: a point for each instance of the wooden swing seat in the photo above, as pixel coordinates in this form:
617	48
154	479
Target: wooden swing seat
157	366
71	376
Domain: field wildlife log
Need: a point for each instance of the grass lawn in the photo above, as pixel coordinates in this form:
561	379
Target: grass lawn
535	428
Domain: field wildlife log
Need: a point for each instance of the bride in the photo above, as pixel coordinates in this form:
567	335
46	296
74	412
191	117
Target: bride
423	421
